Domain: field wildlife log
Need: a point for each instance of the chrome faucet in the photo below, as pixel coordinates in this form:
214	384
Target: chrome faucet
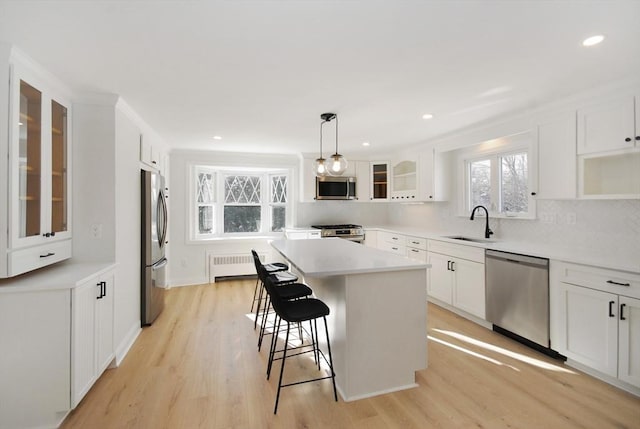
487	230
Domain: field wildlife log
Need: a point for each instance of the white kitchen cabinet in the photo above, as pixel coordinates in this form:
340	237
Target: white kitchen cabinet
416	248
557	162
610	175
380	181
434	172
629	340
302	234
456	276
595	319
439	278
610	124
404	180
151	155
38	149
371	238
392	242
363	180
92	344
34	361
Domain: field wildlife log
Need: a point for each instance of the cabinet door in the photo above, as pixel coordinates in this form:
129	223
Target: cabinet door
440	284
608	125
379	181
469	289
404	180
104	325
363	180
83	361
557	175
587	326
629	340
34	359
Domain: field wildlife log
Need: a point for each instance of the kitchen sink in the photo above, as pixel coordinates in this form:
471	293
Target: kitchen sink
472	239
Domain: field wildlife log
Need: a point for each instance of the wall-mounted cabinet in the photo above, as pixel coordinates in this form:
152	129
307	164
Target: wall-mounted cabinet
610	175
380	181
151	155
557	172
404	180
39	170
435	170
610	124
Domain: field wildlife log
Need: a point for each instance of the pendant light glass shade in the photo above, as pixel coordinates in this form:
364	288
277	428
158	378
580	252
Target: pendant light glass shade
337	165
320	166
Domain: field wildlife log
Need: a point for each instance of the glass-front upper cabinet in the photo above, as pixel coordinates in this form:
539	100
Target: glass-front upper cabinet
379	181
59	152
39	196
29	161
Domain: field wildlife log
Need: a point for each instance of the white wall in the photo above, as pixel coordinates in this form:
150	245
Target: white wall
93	180
187	264
106	192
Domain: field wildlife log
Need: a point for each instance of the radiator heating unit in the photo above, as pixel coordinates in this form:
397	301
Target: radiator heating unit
231	265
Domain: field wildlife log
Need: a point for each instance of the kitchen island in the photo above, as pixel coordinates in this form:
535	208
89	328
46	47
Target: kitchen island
378	303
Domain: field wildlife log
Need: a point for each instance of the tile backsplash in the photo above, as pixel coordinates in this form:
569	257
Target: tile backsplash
611	226
604	225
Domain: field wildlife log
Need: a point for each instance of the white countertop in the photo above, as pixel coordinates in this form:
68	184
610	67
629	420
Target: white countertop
65	275
620	261
335	256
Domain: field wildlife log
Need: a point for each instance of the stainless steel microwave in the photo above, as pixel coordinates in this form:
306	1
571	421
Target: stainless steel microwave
336	188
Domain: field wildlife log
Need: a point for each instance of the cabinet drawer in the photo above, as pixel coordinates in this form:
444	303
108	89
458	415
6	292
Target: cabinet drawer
417	254
417	242
392	238
392	247
618	282
32	258
470	253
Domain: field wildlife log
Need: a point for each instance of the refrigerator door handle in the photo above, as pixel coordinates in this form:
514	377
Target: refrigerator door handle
159	264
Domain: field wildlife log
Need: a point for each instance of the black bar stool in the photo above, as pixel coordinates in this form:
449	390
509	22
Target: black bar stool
271	268
286	290
276	268
310	309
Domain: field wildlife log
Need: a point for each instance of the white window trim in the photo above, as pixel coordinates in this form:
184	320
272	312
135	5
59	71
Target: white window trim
494	149
265	215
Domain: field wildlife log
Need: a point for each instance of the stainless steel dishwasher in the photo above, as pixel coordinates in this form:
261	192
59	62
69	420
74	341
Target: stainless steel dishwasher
517	296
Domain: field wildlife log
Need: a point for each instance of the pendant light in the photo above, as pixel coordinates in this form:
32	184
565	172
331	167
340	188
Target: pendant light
320	163
337	163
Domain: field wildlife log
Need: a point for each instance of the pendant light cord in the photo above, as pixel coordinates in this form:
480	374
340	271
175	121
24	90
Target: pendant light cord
336	116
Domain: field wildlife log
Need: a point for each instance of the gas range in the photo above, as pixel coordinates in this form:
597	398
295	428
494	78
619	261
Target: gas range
347	231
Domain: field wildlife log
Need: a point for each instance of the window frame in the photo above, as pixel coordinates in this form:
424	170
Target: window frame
220	174
494	151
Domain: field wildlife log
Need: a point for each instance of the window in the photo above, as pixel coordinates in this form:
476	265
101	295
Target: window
251	202
500	182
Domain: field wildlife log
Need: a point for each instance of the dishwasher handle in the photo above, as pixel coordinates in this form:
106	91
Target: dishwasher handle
517	258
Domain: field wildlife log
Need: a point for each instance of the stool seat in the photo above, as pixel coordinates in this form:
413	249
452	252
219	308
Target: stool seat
275	266
291	291
303	310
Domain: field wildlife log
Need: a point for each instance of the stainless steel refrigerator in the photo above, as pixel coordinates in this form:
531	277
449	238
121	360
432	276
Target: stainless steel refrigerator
154	239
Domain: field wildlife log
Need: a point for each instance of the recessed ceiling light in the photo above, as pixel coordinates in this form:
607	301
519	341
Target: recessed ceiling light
365	144
217	138
593	40
427	116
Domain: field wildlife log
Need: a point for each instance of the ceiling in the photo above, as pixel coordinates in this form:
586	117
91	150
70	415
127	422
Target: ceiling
260	73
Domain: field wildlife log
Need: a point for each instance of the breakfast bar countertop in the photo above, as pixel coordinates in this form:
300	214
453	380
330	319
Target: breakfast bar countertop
335	256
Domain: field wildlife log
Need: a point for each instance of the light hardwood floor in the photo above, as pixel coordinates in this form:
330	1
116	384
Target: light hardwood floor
198	366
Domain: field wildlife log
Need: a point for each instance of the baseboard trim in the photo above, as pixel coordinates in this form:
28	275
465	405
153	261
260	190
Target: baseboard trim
127	342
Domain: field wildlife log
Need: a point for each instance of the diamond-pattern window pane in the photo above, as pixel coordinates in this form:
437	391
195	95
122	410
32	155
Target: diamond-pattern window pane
278	189
205	188
242	190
